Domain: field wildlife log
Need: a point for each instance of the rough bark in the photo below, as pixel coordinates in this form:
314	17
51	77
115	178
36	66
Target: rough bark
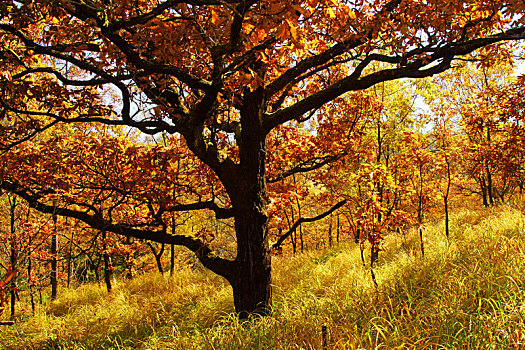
251	281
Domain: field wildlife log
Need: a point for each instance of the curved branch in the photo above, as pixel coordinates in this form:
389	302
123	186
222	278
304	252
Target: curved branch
148	127
203	252
148	16
67	81
306	166
441	59
324	57
303	219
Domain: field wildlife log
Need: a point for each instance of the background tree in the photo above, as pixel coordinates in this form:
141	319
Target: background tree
479	106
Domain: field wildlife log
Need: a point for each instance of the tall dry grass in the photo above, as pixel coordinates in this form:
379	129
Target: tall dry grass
466	293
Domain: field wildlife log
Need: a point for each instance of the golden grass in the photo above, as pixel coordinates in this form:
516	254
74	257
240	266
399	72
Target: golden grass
468	292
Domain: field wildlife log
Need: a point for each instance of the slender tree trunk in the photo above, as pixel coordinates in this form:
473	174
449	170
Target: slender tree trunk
54	260
490	190
70	259
421	241
158	256
338	229
172	259
172	249
95	268
294	234
447	219
107	263
362	250
330	231
69	268
445	197
14	253
128	260
420	210
30	277
107	272
373	257
300	226
30	283
484	193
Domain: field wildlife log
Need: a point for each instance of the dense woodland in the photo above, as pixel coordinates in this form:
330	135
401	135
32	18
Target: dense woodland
152	136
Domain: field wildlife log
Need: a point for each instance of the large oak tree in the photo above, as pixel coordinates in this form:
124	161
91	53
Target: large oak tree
223	74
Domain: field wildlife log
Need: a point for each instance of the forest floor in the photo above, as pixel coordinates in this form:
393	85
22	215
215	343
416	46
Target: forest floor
467	292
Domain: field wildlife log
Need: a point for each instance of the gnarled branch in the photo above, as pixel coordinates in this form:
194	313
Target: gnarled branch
203	252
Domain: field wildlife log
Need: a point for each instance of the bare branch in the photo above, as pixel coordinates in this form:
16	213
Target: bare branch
303	219
307	165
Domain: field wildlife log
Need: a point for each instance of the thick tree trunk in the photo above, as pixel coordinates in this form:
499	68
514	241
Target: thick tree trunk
252	281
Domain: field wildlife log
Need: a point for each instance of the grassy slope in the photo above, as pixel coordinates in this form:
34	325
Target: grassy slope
468	292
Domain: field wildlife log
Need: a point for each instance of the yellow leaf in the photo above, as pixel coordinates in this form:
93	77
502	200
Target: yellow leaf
214	16
294	35
293	31
247	27
331	12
